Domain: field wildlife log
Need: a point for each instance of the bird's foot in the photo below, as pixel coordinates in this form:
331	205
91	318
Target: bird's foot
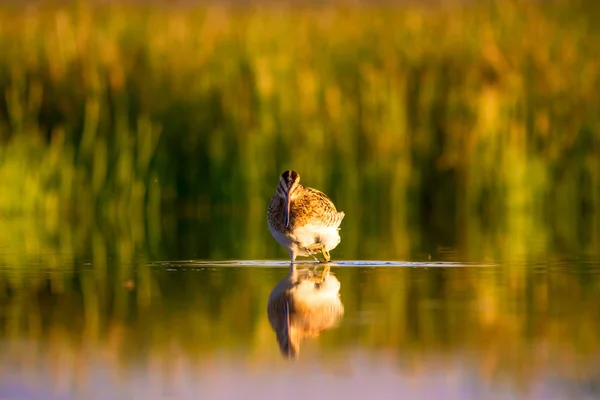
318	248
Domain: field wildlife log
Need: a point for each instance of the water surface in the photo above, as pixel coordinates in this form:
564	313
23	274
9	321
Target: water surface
200	329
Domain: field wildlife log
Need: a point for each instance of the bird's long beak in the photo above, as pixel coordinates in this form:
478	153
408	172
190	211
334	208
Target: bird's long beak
286	211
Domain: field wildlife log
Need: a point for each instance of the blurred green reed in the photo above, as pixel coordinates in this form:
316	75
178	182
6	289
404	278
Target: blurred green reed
476	125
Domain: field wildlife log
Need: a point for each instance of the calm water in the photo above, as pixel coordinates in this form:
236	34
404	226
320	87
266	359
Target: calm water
193	329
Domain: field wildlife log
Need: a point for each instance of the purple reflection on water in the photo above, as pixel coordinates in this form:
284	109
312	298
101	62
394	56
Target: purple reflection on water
357	376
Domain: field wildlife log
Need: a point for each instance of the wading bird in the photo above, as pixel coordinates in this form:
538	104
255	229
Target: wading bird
302	219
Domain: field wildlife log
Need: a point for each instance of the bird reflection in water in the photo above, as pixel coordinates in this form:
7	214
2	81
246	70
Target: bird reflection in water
302	305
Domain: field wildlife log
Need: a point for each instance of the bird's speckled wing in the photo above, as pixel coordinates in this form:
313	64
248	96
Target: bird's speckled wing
316	207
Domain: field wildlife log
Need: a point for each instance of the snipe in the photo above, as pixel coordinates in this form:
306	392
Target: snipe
302	219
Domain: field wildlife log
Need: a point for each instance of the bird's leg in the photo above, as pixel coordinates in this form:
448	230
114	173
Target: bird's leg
325	254
292	256
319	247
314	248
293	272
313	256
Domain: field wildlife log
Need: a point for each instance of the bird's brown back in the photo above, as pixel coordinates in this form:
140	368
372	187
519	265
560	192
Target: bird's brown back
308	206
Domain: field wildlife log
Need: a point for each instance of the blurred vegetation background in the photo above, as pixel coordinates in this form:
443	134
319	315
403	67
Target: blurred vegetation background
472	125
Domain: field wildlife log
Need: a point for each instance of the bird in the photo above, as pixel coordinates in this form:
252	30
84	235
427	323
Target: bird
302	305
302	219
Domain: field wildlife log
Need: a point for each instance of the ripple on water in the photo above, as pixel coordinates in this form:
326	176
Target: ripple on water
342	263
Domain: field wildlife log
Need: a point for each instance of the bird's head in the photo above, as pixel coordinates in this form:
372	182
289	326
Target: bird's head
289	182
